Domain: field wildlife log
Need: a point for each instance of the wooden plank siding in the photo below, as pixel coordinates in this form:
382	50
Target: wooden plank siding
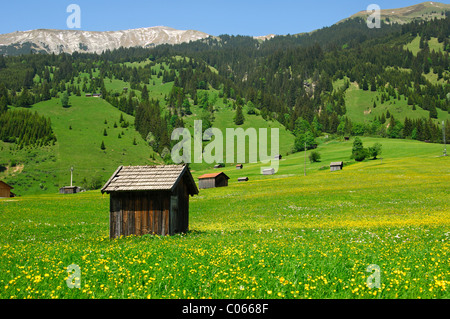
140	213
5	190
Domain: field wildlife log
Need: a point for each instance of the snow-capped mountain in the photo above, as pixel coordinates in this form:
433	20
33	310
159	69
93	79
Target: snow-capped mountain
69	41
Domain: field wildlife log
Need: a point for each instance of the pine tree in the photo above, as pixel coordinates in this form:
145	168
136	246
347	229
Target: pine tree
144	93
103	147
239	118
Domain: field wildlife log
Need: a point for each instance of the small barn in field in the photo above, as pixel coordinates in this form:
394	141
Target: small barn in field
69	190
213	180
239	166
150	200
268	171
5	190
336	166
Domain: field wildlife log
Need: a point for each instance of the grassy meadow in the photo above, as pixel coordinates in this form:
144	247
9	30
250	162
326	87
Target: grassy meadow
80	131
284	236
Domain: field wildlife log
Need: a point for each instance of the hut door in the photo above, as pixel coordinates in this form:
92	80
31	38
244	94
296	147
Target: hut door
173	215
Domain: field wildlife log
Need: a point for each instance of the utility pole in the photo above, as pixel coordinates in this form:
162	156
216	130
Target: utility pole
71	176
445	142
305	158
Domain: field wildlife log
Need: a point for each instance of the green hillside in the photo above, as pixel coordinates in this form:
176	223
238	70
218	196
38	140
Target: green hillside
80	132
286	236
345	80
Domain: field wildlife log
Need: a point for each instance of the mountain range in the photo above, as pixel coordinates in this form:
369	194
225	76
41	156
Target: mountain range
70	41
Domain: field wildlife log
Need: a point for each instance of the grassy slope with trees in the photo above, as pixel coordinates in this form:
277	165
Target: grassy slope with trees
342	80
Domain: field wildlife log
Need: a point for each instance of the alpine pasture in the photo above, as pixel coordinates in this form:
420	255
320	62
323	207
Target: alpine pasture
281	236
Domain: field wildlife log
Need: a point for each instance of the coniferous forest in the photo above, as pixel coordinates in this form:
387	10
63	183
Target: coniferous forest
290	79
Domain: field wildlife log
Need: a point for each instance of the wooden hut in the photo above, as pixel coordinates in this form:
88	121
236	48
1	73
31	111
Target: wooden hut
239	166
268	171
69	190
243	179
278	157
150	200
5	190
213	180
336	166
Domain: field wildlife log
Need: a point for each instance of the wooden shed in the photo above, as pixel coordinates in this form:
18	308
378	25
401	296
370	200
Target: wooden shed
5	190
213	180
239	166
69	190
243	179
268	171
150	200
336	166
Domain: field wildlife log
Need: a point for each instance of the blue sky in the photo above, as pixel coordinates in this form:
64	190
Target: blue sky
244	17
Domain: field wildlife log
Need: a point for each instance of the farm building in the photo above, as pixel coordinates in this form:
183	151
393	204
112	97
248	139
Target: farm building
336	166
150	200
5	190
278	157
268	171
239	166
213	180
243	179
69	190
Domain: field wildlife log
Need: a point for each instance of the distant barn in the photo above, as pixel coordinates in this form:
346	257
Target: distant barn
69	190
336	166
278	157
5	190
243	179
213	180
268	171
150	200
239	166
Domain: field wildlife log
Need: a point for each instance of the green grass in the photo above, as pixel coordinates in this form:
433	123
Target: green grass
282	236
359	104
47	169
224	118
433	43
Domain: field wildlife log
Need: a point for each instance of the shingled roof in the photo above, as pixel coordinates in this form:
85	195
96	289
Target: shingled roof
149	178
337	164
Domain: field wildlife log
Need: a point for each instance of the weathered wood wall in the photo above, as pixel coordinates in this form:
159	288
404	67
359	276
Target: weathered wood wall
5	191
179	210
139	213
219	181
207	183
